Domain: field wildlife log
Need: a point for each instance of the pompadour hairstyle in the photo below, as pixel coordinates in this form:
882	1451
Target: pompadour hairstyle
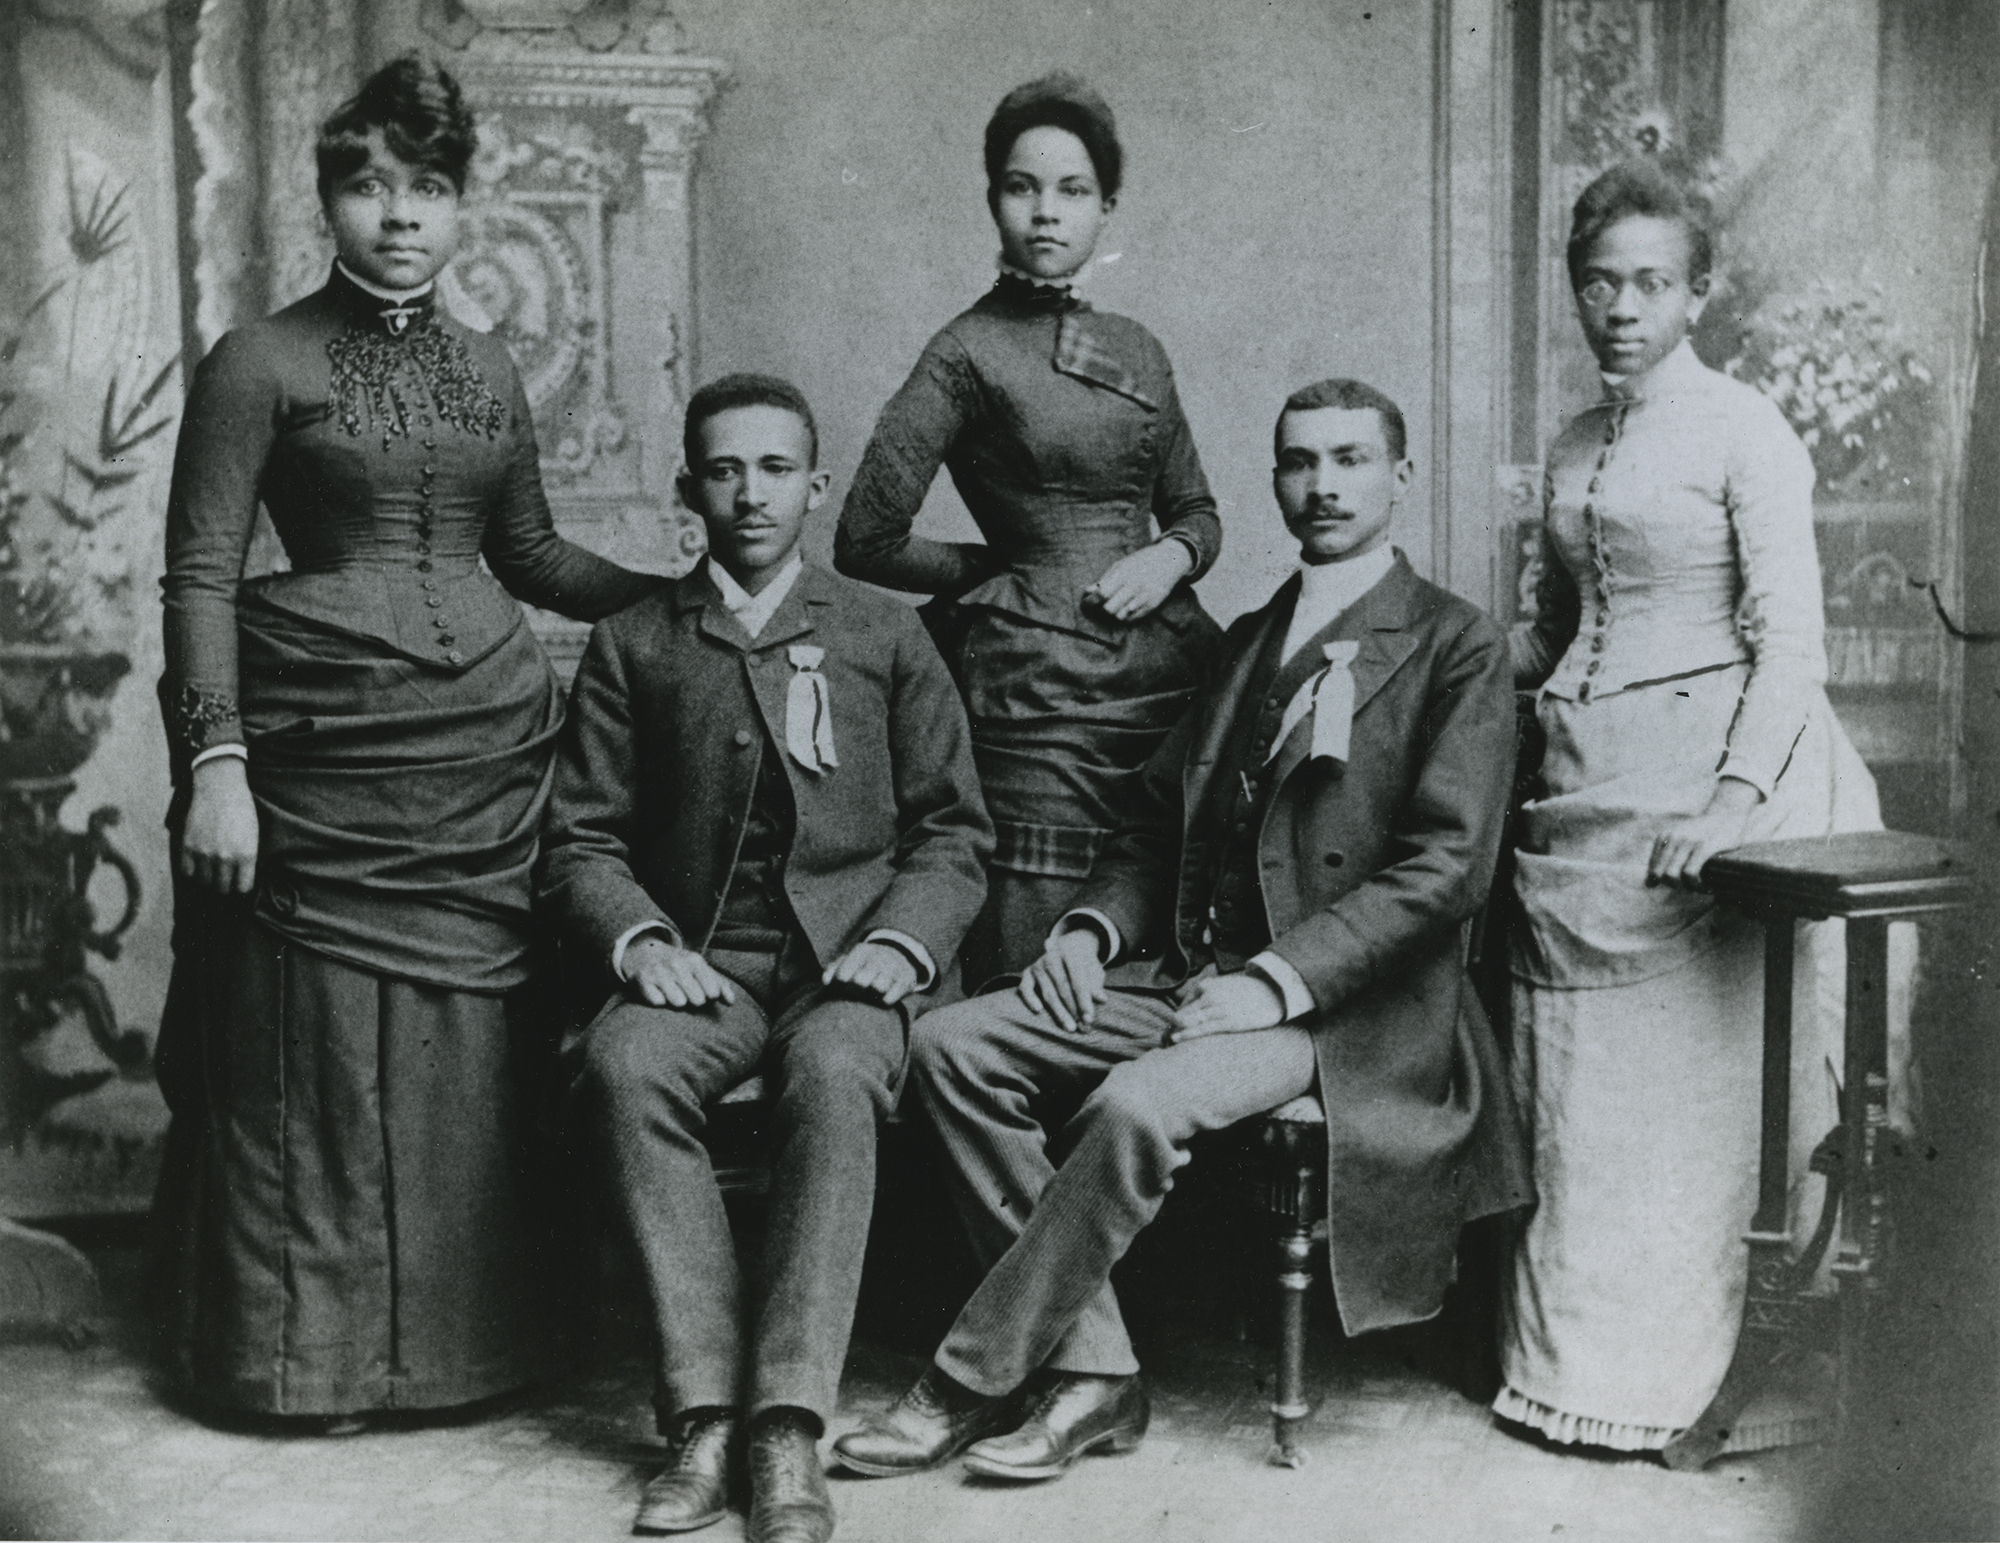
422	115
1349	396
1637	188
730	391
1057	101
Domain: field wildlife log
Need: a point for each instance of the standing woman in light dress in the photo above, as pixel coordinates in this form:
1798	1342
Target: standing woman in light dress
1678	648
1073	629
361	751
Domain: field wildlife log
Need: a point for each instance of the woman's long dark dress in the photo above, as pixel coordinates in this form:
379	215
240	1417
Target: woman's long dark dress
1065	437
342	1214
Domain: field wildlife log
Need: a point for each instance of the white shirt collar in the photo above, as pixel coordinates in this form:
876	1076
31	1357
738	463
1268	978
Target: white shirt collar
1327	589
755	611
397	295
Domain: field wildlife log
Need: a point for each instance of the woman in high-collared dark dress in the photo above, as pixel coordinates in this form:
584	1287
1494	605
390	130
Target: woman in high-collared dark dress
361	750
1073	629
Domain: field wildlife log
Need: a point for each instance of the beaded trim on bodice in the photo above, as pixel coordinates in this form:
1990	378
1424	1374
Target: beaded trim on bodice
395	362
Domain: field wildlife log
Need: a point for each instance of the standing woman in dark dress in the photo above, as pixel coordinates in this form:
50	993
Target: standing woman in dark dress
361	751
1073	629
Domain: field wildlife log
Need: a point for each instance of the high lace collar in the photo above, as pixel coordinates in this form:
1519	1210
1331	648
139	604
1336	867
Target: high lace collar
1024	292
391	312
1662	379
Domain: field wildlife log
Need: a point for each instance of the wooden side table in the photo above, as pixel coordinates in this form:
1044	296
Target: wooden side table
1870	878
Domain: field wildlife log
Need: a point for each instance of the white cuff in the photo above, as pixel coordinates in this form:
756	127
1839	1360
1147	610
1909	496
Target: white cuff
919	955
218	752
1089	915
1291	985
625	939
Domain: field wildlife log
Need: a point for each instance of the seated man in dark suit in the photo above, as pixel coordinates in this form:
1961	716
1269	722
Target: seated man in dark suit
1285	906
767	825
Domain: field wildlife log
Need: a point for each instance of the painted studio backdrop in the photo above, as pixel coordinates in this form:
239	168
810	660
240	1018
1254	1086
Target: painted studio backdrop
1316	187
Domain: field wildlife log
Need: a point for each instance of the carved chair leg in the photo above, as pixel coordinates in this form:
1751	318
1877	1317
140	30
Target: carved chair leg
1289	1407
1293	1207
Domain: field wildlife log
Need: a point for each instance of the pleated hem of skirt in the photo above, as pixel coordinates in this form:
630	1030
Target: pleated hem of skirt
303	1399
1584	1430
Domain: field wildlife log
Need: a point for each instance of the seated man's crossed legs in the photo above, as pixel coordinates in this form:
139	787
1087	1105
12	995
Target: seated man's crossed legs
1045	1319
831	1066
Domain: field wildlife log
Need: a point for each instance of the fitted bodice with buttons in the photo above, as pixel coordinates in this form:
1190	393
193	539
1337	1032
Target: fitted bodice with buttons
1063	433
393	449
1678	539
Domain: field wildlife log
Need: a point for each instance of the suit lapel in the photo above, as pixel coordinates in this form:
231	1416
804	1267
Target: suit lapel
698	592
792	619
1379	623
794	615
1223	703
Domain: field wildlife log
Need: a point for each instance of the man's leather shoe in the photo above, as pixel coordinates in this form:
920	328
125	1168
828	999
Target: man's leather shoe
788	1498
931	1424
693	1489
1075	1414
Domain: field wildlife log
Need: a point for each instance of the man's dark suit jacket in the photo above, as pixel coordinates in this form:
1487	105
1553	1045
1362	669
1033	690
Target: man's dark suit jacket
1370	876
672	707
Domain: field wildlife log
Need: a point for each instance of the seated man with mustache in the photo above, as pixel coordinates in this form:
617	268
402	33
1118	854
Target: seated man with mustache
1285	908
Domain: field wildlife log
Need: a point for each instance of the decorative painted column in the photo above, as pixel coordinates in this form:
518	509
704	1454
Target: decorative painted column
579	253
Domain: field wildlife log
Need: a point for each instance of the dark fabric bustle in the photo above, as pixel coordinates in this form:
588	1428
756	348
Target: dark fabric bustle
400	803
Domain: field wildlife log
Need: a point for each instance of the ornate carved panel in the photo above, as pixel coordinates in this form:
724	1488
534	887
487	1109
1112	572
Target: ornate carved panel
578	252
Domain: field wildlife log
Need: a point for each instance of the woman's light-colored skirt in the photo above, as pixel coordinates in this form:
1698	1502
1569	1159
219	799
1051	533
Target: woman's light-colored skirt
1638	1044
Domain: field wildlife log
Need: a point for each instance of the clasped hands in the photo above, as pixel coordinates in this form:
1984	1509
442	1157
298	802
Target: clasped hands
1067	984
661	973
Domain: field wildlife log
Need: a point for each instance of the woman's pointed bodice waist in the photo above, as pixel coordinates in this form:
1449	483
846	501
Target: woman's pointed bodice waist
450	613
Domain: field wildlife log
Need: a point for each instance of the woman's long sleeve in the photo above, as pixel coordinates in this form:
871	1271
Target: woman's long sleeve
227	430
530	559
1538	643
1768	494
912	437
1182	502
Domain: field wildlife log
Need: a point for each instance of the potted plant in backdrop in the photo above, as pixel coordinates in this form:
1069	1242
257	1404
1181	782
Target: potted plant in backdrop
1870	411
81	417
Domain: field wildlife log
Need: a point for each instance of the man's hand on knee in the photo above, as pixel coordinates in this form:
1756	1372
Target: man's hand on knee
1067	982
880	970
663	974
1227	1004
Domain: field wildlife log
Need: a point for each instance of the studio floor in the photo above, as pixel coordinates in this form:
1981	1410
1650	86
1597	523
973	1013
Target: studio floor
91	1448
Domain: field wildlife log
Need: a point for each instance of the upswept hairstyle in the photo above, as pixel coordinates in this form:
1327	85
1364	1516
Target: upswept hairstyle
730	391
1349	396
422	115
1637	188
1057	101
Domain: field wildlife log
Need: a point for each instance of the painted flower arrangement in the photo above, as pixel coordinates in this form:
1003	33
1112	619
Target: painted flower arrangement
81	420
1858	397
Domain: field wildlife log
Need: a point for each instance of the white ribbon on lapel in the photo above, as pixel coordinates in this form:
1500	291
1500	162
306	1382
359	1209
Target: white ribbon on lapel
809	710
1329	697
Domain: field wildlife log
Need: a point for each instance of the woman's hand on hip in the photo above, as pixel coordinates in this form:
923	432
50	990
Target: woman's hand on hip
1135	586
219	840
1683	849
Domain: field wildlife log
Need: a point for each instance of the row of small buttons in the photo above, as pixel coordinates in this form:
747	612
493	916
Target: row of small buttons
1598	559
446	639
